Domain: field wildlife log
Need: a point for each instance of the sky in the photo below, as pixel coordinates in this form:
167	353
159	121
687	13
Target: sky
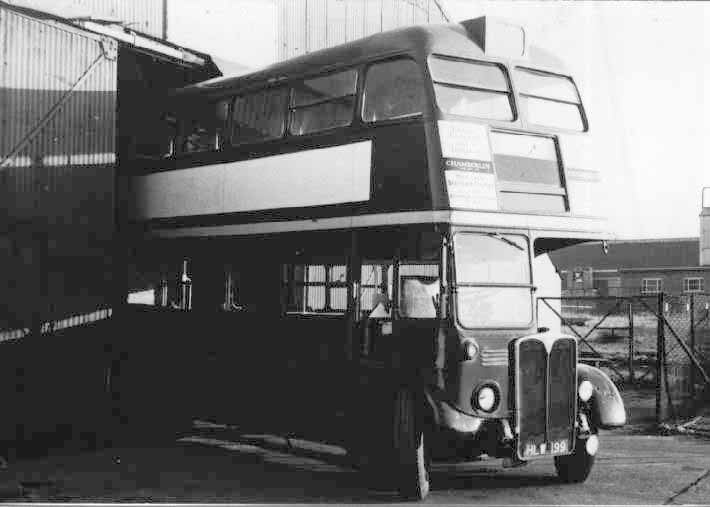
641	68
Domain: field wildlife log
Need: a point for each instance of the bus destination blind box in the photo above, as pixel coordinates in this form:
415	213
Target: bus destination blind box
496	37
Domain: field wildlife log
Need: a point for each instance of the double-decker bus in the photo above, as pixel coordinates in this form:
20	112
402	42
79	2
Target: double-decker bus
348	246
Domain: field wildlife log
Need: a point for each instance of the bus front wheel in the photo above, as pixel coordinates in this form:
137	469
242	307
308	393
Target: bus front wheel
412	458
575	468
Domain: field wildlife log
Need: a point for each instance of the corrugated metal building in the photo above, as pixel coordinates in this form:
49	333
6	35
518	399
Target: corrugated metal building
256	33
309	25
61	138
705	228
145	16
57	154
74	104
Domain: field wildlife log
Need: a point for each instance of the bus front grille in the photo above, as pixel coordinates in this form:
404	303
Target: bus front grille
494	357
545	395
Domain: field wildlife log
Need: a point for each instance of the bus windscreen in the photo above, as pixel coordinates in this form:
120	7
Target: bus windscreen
492	280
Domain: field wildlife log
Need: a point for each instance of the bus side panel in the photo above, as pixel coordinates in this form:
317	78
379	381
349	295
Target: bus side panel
400	173
311	383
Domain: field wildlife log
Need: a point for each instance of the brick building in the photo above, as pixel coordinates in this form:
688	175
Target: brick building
640	266
633	267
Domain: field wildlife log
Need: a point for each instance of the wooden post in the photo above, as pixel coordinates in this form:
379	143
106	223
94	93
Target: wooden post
691	378
631	343
660	362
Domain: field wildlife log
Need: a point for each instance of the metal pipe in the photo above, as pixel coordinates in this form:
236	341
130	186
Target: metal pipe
631	343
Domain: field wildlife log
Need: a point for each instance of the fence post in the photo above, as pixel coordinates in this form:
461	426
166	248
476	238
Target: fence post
631	344
660	360
692	345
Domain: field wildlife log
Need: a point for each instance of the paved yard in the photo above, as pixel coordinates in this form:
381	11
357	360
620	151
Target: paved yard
218	465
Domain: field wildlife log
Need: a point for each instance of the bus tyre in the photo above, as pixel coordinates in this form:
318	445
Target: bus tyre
412	460
575	468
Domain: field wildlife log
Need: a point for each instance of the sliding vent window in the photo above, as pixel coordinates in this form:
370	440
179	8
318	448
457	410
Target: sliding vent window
550	100
477	90
323	103
259	116
315	288
393	89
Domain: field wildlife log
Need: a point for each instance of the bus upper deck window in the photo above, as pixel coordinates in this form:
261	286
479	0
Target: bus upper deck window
550	100
393	89
259	116
204	128
323	103
475	89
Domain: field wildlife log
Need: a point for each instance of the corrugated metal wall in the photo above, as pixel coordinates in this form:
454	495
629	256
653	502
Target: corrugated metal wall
57	169
147	16
309	25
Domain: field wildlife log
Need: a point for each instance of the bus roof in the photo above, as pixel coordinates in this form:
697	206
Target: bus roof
464	40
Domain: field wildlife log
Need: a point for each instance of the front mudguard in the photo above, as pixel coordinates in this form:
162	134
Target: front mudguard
443	415
606	404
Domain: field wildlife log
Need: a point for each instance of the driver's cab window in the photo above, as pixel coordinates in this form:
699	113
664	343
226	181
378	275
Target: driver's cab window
376	289
394	291
418	291
417	295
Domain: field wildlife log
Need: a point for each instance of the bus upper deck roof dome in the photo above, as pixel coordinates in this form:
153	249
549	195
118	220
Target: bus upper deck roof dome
496	37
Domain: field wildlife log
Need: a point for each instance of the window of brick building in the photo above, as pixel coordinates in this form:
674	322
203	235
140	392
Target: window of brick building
693	285
651	285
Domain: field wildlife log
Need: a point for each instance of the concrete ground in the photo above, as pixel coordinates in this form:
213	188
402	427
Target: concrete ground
219	465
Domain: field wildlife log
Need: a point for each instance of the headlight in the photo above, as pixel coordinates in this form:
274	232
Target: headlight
470	350
585	390
487	398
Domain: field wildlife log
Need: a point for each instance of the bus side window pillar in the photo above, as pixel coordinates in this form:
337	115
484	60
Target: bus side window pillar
353	297
162	291
185	288
443	310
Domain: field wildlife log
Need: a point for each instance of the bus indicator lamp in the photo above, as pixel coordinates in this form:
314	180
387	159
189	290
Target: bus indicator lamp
585	390
470	350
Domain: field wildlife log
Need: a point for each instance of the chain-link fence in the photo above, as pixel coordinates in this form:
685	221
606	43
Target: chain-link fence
656	348
685	341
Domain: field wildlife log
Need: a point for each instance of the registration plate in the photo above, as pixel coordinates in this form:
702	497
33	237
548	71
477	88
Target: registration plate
532	449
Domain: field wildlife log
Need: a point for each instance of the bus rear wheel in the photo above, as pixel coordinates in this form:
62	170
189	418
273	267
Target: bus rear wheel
576	467
412	459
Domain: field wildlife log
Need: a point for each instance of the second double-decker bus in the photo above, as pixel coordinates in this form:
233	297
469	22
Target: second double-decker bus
349	245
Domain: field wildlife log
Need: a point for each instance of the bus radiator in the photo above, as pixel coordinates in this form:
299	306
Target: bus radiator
545	395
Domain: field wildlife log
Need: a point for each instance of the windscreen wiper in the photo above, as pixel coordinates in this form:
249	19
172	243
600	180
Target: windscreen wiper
506	240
